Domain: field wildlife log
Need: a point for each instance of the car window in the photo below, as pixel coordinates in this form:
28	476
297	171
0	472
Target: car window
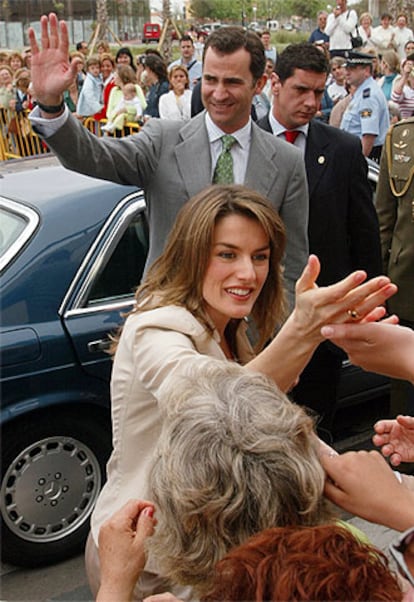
122	272
17	224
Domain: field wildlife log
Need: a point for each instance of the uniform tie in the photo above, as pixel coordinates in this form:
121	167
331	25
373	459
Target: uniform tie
223	174
291	135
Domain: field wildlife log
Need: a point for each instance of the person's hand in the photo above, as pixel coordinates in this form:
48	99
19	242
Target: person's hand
349	300
396	439
121	549
51	73
383	347
363	483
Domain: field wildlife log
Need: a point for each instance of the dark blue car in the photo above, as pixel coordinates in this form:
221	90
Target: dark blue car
72	251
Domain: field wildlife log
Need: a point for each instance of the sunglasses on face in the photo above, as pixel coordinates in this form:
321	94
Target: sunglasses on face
402	551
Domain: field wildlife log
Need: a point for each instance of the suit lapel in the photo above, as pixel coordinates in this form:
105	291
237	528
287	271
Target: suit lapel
193	151
317	154
262	167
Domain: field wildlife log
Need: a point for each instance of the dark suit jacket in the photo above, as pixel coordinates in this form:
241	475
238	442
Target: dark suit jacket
343	226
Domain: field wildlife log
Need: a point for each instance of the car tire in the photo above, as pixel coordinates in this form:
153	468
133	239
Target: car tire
53	467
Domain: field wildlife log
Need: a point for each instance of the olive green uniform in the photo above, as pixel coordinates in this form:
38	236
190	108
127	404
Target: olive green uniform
395	208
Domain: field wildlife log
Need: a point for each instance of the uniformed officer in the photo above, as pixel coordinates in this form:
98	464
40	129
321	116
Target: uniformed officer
395	207
367	114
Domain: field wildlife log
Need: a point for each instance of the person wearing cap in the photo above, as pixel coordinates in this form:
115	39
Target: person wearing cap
343	226
367	114
340	25
383	35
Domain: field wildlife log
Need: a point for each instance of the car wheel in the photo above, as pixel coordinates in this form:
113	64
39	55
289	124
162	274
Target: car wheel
52	471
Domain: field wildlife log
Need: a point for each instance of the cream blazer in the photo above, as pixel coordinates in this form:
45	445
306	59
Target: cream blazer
154	346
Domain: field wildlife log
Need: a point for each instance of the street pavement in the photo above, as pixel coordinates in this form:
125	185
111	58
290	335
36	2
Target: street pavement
67	580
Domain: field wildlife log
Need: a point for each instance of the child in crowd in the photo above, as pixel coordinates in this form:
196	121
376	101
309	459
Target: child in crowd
128	109
90	97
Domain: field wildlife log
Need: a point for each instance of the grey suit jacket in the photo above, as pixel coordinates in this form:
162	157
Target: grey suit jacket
172	162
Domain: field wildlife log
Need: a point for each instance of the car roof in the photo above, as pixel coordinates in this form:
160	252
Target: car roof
45	185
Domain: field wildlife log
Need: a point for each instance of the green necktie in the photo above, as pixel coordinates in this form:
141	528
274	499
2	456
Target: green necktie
223	174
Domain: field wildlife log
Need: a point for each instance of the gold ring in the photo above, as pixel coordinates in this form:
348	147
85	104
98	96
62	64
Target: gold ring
352	313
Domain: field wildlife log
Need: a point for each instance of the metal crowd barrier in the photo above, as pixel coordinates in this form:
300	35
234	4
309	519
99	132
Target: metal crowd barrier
19	140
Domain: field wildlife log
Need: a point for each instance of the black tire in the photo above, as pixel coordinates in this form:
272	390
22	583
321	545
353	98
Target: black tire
53	467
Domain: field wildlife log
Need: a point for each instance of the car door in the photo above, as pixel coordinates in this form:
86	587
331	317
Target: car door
103	290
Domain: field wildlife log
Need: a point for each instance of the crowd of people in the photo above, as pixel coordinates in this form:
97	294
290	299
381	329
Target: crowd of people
266	263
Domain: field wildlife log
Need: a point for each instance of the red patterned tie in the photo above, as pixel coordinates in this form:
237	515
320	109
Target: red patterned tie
291	135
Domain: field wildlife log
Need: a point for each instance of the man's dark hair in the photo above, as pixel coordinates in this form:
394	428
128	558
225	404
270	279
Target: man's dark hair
187	38
227	40
304	56
79	45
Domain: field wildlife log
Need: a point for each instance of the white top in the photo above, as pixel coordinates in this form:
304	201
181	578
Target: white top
339	29
382	37
175	107
402	35
155	346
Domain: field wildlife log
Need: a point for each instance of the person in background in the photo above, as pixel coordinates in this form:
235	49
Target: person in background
343	226
367	114
270	51
90	97
4	58
199	46
390	68
6	86
188	60
16	61
340	24
176	104
319	33
383	36
103	48
267	89
402	92
124	57
124	75
27	58
402	34
156	78
71	97
365	30
337	87
79	59
129	109
409	48
108	79
376	66
82	47
339	109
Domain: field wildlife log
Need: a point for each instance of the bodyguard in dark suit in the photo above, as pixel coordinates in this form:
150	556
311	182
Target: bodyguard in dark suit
343	227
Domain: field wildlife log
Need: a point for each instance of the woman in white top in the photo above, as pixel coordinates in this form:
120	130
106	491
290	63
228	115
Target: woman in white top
176	104
221	264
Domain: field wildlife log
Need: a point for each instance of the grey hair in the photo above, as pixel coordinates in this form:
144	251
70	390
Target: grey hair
235	456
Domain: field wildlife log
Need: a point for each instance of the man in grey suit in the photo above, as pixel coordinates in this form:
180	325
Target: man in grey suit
172	161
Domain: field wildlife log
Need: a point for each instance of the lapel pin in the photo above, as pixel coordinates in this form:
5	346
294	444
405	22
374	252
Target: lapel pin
321	160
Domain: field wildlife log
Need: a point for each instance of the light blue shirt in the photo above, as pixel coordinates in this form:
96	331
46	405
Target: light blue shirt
367	113
239	151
